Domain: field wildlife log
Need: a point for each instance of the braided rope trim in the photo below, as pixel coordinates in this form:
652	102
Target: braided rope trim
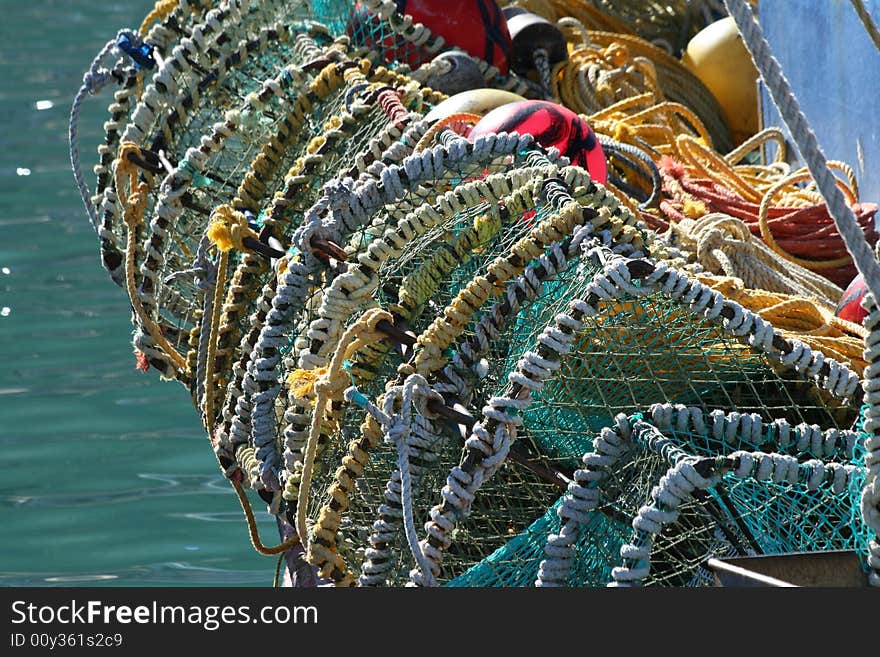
459	376
734	429
419	445
233	412
254	186
112	257
848	227
500	270
511	189
870	498
603	214
111	208
160	36
749	428
350	205
177	23
207	43
280	213
170	205
332	77
297	415
183	62
324	546
684	477
490	439
252	269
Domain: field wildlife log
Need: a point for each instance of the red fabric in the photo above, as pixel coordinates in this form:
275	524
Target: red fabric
551	125
476	26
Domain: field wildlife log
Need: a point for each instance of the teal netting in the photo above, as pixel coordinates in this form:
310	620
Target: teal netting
735	517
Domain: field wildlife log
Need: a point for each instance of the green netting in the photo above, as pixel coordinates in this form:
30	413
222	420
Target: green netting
773	518
647	350
652	350
335	14
371	34
515	564
368	32
493	524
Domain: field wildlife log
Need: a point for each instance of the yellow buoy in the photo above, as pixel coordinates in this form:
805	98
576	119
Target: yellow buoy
718	56
475	101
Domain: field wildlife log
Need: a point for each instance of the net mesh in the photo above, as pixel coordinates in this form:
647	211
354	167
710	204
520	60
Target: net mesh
370	33
419	300
734	517
650	350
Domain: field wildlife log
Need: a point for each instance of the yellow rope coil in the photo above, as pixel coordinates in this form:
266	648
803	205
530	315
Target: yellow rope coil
767	235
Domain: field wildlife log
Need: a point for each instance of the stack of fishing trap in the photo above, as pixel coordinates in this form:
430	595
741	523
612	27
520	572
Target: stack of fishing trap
466	362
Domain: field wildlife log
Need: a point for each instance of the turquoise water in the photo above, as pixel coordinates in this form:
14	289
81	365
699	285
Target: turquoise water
107	475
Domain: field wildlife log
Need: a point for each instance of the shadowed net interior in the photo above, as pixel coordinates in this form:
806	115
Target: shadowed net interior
651	350
219	79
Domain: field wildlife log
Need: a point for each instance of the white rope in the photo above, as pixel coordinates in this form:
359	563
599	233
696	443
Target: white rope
414	393
677	486
844	219
94	80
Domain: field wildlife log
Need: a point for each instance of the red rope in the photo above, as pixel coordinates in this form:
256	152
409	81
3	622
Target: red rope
390	103
808	232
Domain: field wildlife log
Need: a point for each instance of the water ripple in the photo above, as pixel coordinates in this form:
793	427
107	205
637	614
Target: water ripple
175	486
172	573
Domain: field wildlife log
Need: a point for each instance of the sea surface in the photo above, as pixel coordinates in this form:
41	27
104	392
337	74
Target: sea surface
106	476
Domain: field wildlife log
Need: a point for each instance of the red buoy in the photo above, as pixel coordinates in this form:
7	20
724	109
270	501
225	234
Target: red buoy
551	125
475	26
850	307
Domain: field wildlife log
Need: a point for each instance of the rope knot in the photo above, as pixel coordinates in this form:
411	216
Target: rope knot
229	228
302	382
133	195
96	80
373	316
